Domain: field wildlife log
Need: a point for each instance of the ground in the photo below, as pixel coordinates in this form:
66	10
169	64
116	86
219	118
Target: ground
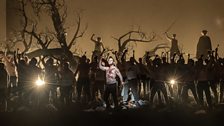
76	114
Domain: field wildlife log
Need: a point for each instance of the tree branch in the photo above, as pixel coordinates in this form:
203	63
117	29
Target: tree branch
77	34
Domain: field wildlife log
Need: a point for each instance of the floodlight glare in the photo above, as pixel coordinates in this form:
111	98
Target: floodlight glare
39	82
172	82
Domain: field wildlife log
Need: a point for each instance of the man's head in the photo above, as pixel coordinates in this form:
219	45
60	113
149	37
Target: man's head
164	59
22	62
200	61
33	61
174	35
204	32
2	66
50	61
157	62
83	59
99	39
111	61
132	60
65	66
191	62
140	60
95	59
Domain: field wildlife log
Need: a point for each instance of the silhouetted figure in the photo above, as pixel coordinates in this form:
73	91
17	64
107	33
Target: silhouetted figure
213	77
180	73
132	72
10	68
143	78
174	44
34	70
203	84
66	83
204	45
98	81
121	66
3	87
83	83
149	77
221	76
33	74
98	46
158	84
22	69
111	83
51	79
189	78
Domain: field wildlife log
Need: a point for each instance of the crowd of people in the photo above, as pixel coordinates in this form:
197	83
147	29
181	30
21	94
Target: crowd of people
113	83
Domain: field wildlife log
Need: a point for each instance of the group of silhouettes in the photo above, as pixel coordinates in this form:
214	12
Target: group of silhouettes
115	81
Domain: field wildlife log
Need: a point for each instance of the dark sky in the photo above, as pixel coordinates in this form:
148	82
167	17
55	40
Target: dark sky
108	18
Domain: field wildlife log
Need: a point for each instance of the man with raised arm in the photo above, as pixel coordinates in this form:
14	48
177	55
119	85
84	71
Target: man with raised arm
111	83
174	44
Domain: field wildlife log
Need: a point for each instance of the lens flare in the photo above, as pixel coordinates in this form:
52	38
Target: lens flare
39	82
172	82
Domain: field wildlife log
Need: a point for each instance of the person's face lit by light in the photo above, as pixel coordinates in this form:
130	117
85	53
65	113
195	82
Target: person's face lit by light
110	61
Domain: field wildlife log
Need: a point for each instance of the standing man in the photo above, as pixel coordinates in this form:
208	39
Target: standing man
174	44
98	46
67	81
51	77
204	45
83	83
10	68
203	84
111	83
132	72
3	87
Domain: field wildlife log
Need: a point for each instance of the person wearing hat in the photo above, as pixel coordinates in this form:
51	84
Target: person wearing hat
174	44
204	45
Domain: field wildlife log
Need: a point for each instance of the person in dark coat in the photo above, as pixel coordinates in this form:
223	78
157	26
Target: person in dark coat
204	45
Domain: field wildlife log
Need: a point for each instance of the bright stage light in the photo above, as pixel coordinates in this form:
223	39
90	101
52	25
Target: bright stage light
172	82
39	82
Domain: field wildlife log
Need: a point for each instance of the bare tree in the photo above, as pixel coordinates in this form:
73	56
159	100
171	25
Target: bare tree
57	11
132	36
153	51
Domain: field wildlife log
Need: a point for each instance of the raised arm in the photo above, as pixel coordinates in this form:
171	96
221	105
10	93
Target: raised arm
133	53
116	56
15	60
134	57
43	62
5	58
123	55
92	38
76	72
168	37
101	66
